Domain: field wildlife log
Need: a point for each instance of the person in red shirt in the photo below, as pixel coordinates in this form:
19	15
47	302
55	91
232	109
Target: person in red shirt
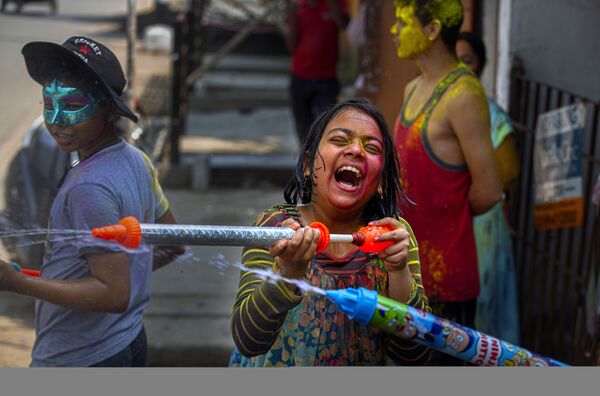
312	38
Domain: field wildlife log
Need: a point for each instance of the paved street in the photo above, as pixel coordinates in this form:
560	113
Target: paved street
20	104
187	321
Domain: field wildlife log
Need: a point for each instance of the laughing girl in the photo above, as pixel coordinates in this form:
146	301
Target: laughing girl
348	177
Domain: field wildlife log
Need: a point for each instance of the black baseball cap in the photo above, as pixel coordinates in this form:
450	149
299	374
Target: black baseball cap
83	51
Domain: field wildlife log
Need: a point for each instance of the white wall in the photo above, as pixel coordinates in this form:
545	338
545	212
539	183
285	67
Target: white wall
496	33
559	42
489	36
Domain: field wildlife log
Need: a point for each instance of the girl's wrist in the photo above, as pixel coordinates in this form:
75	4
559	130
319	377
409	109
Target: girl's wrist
401	285
282	269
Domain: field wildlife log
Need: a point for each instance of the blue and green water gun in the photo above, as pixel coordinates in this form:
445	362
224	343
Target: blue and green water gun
368	308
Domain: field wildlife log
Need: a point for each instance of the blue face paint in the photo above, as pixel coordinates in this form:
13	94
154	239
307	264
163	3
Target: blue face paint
68	106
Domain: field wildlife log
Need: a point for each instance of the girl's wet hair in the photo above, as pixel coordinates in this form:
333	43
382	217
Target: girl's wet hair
300	188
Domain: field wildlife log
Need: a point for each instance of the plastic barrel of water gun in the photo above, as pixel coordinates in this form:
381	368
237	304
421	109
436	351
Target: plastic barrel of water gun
129	232
25	271
367	307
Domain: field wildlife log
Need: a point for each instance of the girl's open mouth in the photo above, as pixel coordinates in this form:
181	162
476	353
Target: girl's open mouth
348	177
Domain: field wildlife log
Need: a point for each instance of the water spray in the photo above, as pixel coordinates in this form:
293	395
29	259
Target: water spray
130	233
367	307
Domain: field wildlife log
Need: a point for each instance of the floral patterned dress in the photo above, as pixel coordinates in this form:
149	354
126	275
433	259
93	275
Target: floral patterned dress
310	330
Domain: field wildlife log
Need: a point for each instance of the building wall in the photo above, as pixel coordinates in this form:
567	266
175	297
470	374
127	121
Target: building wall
489	35
389	75
559	42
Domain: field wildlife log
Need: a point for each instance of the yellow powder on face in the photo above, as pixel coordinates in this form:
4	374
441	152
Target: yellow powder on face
410	40
405	14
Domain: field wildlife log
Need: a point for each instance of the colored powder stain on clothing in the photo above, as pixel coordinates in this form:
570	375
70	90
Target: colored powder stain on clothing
441	221
414	139
435	257
468	85
162	202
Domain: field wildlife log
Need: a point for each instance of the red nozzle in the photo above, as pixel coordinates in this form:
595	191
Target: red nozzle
127	232
368	243
30	272
324	236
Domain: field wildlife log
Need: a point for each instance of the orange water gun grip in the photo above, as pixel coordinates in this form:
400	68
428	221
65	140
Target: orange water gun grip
364	238
324	236
370	233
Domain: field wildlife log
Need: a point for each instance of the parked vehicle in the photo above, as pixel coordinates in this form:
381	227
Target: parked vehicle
30	186
20	3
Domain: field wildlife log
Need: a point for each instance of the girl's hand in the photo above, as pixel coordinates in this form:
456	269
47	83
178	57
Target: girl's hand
293	255
395	256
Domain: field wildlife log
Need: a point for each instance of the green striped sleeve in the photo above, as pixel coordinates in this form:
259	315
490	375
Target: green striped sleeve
402	351
261	307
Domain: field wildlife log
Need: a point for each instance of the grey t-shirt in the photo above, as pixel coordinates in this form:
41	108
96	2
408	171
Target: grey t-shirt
117	181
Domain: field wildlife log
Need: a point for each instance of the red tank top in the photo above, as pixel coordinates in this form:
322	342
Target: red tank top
441	217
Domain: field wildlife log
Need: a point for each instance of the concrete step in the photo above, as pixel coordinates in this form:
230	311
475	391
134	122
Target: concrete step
188	330
240	89
187	319
238	149
250	63
263	40
177	305
260	125
188	342
242	170
238	100
241	81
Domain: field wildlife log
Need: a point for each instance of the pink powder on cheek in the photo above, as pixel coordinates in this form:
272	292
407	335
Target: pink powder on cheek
373	162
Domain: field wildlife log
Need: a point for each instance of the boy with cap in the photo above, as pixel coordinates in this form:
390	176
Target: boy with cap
90	297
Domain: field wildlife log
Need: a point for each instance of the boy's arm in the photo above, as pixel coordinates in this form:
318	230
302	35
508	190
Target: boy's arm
107	289
470	120
164	255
